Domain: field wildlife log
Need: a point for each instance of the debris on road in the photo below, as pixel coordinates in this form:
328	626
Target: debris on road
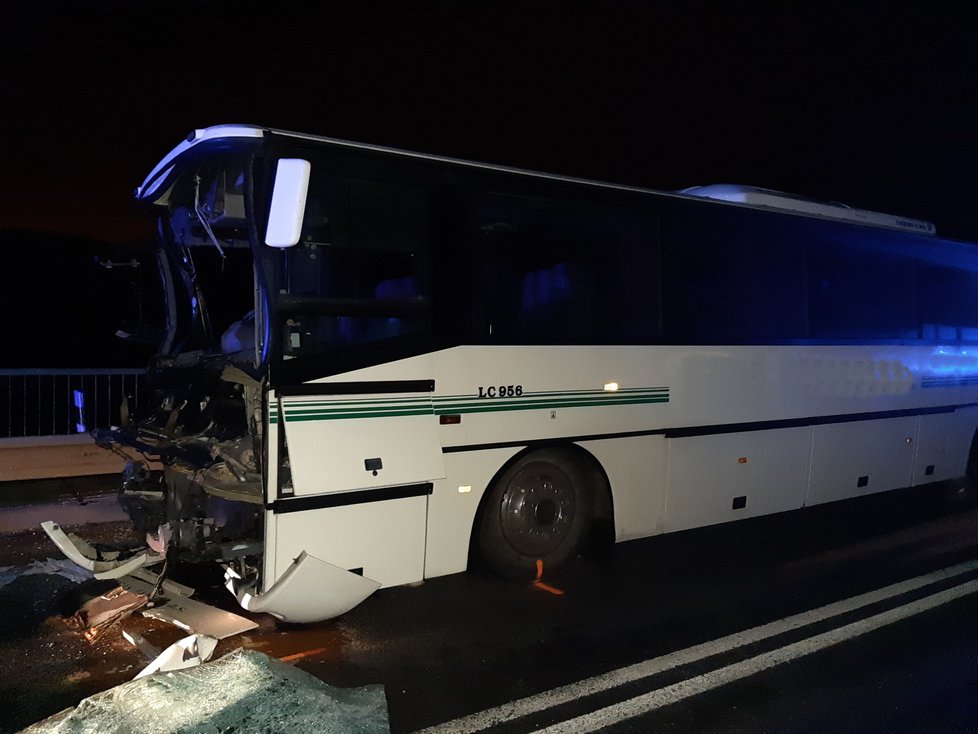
103	565
139	590
186	653
244	691
28	599
103	612
194	616
139	642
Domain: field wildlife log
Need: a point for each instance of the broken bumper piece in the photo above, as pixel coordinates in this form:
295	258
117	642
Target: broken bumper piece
81	553
310	590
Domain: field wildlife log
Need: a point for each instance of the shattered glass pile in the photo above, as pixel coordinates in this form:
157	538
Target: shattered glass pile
245	691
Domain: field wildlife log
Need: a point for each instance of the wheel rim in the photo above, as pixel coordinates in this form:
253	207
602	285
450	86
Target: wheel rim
537	510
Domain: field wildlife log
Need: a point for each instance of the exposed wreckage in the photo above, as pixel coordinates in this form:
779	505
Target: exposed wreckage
205	431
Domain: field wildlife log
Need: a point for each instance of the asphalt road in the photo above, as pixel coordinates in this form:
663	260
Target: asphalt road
704	625
920	675
468	644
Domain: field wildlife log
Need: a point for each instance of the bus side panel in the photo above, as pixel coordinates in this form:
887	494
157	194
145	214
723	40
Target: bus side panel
385	539
853	459
960	433
636	469
943	443
718	478
454	504
342	443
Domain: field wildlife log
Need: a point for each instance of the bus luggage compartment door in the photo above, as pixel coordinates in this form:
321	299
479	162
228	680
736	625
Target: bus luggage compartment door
347	436
356	463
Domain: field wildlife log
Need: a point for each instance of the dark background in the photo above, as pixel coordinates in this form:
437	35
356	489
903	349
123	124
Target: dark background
872	104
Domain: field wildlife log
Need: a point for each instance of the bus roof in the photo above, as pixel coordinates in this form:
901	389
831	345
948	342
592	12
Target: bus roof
727	194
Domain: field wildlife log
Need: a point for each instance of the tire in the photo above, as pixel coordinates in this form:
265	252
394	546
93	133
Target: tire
539	509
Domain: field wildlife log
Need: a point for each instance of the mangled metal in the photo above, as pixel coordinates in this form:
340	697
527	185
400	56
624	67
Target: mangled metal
172	604
210	472
103	612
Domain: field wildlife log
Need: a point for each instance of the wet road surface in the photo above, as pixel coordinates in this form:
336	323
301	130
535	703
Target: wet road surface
459	645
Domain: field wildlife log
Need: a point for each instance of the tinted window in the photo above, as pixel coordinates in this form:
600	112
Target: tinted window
732	277
860	290
358	273
566	272
947	285
360	239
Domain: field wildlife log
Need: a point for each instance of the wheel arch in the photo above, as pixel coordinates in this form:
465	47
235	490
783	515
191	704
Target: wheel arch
602	531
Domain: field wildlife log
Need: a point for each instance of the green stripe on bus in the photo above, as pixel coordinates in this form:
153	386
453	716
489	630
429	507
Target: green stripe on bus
366	401
355	406
341	415
561	393
487	406
491	406
539	403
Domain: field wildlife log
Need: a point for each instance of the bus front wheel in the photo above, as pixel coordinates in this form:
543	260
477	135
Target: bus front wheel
539	510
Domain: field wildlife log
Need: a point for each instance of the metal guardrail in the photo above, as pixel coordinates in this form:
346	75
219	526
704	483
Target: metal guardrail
60	402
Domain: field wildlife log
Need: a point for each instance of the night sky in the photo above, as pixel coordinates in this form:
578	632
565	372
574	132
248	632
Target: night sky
874	105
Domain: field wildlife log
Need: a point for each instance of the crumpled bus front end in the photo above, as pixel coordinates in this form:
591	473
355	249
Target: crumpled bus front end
195	485
198	496
198	493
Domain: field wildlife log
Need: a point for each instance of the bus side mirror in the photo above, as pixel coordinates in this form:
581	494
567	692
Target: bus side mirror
288	202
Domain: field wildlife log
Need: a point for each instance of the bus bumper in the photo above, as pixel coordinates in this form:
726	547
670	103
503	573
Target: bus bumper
310	590
87	557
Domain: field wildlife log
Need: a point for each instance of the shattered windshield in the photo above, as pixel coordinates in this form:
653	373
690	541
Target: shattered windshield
208	261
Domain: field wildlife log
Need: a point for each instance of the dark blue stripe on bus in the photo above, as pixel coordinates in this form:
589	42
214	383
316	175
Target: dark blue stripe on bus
714	430
345	499
357	388
962	381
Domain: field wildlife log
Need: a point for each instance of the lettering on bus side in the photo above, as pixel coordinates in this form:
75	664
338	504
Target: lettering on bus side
500	391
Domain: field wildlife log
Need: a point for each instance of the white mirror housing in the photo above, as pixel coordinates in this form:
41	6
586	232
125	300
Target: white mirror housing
288	202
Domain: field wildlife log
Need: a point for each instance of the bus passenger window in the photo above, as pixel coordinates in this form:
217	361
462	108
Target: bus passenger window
566	273
358	273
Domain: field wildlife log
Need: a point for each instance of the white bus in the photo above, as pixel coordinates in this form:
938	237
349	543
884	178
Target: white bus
380	366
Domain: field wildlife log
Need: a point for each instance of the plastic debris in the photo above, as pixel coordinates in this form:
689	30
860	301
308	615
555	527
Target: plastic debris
182	654
245	691
103	612
102	564
148	651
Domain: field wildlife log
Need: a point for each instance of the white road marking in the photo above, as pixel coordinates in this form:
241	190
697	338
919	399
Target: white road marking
714	679
647	668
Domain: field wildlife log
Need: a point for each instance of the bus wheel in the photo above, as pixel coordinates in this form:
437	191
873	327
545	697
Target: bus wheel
538	510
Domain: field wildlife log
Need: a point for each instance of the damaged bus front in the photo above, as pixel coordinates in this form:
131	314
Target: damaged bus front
202	426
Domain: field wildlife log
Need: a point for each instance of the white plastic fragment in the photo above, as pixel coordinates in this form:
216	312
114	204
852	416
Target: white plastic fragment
185	653
169	587
100	569
149	651
189	614
310	590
